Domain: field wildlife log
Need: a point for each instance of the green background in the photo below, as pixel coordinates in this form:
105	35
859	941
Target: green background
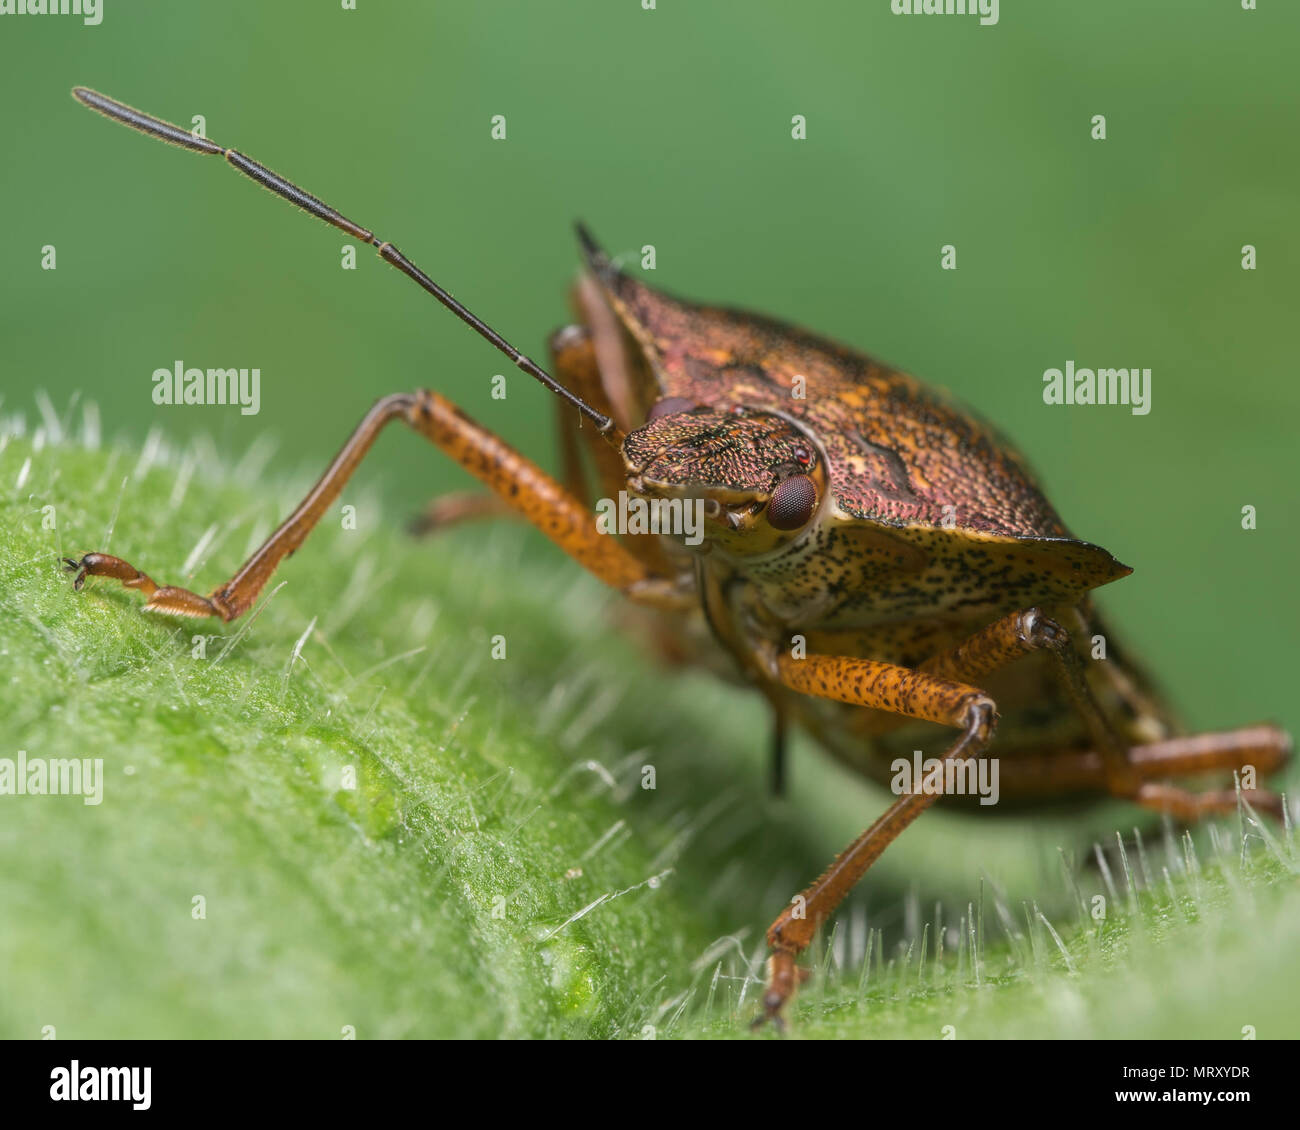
672	127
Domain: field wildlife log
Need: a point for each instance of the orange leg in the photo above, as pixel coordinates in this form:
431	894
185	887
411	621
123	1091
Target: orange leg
941	691
521	484
574	360
992	648
575	363
1031	630
459	506
1115	767
882	686
1265	749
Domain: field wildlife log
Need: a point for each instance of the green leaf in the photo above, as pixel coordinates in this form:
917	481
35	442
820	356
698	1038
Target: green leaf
392	831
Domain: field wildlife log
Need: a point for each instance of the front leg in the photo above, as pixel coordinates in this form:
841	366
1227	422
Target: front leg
882	686
520	483
574	362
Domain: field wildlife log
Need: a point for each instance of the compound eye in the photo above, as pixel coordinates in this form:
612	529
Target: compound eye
669	406
793	503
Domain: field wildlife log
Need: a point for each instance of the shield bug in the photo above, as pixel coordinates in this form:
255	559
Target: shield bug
877	562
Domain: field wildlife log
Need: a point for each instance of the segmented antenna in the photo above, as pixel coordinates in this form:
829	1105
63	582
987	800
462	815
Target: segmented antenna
165	131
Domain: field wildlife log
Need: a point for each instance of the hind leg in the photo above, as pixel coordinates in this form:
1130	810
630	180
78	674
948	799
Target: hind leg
1118	767
1252	752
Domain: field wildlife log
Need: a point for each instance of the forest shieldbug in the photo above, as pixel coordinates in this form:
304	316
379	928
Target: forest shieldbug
877	562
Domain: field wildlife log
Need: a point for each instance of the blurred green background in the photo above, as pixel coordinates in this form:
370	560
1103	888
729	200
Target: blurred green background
672	127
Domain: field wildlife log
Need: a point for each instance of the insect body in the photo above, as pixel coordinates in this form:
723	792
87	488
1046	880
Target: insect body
878	563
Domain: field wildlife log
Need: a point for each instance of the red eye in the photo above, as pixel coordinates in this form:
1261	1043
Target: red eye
793	503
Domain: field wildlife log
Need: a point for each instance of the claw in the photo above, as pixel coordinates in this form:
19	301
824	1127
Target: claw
771	1011
784	978
167	599
78	567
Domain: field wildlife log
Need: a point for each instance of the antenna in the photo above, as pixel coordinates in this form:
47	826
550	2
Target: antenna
174	135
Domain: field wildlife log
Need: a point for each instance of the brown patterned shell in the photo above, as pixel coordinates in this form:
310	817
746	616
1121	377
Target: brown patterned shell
899	454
